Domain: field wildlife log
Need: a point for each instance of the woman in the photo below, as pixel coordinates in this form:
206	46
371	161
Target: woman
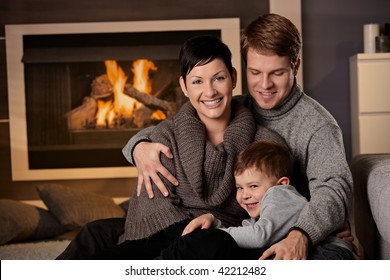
204	136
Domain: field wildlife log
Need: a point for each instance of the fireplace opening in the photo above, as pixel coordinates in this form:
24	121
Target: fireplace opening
86	95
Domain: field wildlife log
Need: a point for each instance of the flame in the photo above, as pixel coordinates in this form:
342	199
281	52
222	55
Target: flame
124	105
103	110
158	115
141	68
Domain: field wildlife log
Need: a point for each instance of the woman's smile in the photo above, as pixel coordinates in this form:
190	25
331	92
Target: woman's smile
212	102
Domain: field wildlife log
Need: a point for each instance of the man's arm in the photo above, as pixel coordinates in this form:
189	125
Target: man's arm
141	136
145	155
330	184
294	247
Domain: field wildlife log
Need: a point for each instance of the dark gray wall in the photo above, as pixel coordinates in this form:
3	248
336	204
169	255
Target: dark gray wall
332	32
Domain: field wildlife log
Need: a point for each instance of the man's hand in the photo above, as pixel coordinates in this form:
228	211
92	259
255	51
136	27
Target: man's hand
203	221
346	234
294	247
147	159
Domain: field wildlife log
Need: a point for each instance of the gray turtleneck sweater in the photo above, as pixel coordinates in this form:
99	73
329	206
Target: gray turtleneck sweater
205	172
322	173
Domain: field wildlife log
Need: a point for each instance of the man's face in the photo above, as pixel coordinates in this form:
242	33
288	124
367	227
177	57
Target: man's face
269	77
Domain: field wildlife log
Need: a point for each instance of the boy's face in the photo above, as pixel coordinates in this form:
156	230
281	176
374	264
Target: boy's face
251	185
270	78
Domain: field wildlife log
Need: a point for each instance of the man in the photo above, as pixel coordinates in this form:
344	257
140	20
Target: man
271	47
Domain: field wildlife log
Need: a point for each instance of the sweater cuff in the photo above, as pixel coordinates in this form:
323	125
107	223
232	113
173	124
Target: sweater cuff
132	149
304	232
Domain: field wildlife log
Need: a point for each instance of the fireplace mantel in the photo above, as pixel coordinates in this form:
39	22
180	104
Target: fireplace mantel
230	33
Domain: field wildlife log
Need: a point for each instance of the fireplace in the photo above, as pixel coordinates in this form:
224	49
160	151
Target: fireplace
79	91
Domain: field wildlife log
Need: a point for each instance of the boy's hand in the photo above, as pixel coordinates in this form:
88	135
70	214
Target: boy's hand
147	159
204	221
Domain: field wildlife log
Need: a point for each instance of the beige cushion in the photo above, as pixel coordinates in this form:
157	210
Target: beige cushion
75	208
20	221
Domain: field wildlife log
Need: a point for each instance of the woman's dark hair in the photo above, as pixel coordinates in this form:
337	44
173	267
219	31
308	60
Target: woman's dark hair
201	50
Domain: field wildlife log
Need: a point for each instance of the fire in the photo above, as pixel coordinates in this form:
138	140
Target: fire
141	70
124	105
158	115
103	110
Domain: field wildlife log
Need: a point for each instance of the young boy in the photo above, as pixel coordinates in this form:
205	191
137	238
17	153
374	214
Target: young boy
261	173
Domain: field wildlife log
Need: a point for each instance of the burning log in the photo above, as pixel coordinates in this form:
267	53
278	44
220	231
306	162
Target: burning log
82	116
101	87
113	103
151	101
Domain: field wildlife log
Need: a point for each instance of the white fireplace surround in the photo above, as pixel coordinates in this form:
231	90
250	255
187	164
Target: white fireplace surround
230	33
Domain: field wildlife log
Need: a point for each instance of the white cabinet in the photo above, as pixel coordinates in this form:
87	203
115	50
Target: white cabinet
370	103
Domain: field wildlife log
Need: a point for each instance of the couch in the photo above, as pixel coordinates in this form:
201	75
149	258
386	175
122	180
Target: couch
371	175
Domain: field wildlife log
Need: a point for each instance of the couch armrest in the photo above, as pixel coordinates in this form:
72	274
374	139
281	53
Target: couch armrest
378	191
371	176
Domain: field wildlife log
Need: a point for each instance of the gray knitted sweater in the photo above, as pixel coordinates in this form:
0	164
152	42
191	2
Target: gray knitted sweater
322	172
205	172
280	208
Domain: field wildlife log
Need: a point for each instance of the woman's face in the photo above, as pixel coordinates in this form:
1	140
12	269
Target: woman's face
209	88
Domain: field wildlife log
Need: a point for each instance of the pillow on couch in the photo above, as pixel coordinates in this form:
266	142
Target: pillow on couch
75	208
20	221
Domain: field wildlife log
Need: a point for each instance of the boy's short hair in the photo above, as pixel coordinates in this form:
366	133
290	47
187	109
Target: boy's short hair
272	158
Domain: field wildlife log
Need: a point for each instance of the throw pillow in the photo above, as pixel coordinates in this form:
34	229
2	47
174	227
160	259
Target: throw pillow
75	208
48	226
20	221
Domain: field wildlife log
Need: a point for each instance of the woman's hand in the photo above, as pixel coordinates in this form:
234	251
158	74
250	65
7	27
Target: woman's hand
203	221
294	247
147	159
